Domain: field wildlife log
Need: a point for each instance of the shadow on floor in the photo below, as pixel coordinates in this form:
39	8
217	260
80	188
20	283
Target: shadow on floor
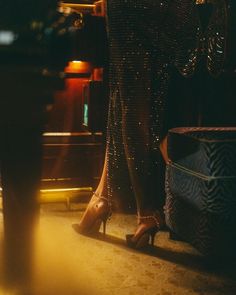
195	261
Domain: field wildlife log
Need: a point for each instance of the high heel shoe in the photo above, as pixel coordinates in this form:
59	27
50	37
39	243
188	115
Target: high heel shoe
97	212
148	226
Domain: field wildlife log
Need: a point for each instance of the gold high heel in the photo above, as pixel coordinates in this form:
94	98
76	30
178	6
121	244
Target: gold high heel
97	212
145	232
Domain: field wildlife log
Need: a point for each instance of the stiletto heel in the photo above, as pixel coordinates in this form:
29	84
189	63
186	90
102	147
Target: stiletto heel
104	221
146	232
153	234
97	212
104	226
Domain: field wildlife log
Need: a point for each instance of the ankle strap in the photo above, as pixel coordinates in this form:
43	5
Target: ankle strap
100	196
103	198
154	217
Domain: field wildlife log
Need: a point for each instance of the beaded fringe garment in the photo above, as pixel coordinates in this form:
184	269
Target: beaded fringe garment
146	39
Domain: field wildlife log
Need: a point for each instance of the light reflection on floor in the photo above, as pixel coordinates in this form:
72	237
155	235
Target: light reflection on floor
70	264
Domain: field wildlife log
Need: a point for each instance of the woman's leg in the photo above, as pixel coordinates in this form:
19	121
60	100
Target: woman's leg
98	209
145	163
141	80
163	149
101	189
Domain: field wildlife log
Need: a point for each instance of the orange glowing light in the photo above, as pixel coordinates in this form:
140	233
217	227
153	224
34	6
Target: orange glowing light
98	74
77	66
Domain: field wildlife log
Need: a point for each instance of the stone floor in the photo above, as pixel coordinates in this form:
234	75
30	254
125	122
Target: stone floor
67	263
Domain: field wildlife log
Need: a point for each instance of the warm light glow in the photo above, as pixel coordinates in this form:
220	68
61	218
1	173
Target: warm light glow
97	74
67	133
83	189
76	7
80	67
71	133
200	2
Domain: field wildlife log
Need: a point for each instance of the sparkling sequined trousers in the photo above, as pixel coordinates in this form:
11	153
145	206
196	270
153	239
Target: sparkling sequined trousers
138	82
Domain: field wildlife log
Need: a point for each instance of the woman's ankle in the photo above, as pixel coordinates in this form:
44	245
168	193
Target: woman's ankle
163	149
151	216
